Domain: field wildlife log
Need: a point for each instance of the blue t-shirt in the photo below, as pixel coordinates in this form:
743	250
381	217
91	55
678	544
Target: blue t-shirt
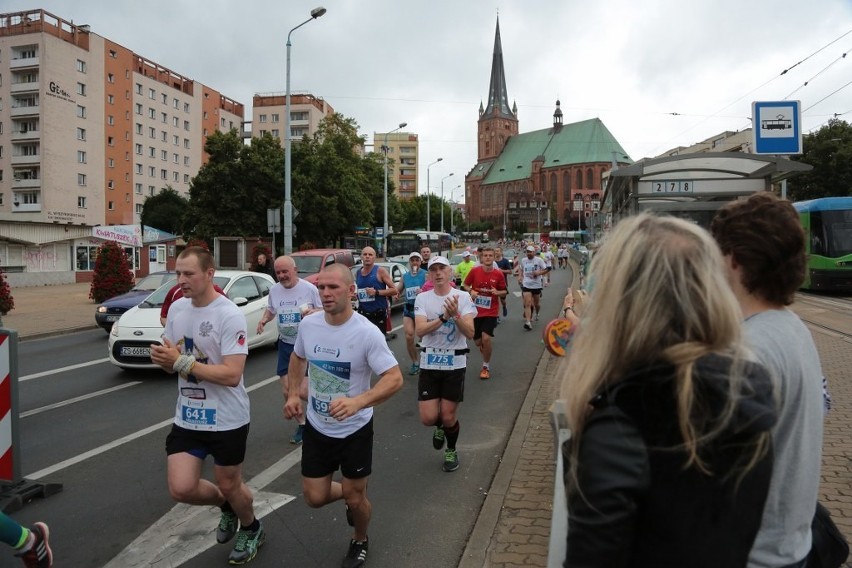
411	285
367	303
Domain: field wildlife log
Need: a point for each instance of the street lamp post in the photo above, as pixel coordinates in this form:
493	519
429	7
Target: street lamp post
442	200
288	203
385	150
453	207
429	195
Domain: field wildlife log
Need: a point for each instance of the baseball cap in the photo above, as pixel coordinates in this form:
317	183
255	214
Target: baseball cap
438	260
530	248
415	254
466	254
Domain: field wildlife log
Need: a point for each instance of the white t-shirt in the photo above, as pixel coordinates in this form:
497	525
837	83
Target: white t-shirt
209	333
548	259
285	304
447	337
528	266
341	360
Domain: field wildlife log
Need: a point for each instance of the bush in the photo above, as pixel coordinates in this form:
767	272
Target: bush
7	302
113	275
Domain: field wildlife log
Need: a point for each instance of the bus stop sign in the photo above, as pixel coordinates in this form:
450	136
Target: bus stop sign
777	127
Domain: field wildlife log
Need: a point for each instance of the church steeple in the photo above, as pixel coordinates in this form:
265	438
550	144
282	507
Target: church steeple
498	100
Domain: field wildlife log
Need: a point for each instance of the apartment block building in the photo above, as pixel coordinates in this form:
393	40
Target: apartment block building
403	151
88	131
305	114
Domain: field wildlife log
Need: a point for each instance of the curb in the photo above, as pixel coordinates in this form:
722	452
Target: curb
55	332
479	542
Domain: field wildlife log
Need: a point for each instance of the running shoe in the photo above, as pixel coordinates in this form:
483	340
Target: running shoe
357	554
527	325
505	311
451	460
536	316
227	527
438	438
39	554
415	368
296	438
485	373
246	546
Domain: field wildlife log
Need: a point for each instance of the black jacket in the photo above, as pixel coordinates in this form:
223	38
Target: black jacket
637	505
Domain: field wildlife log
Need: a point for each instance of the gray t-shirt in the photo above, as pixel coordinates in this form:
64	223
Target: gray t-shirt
782	343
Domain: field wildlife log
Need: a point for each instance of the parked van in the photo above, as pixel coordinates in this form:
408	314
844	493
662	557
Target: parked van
309	263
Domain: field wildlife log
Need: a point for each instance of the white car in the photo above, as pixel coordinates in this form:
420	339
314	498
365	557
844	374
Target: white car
132	335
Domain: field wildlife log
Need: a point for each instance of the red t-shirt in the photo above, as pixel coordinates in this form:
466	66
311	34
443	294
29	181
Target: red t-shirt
175	294
486	302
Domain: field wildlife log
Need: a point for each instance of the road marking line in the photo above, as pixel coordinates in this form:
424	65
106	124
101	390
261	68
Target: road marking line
77	399
62	369
121	441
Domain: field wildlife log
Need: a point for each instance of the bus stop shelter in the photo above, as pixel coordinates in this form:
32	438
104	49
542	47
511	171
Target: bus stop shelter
692	186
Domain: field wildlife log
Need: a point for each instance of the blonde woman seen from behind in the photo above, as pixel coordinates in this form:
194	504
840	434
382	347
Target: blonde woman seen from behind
669	462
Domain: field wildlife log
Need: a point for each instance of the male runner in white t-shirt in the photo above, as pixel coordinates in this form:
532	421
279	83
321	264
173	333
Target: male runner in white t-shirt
341	349
288	303
443	318
205	342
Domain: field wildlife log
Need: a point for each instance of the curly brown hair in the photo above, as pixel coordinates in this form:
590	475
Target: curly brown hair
765	238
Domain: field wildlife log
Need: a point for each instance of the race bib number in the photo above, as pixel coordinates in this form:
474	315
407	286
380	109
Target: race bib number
321	402
483	302
363	296
411	293
198	414
438	359
288	322
529	269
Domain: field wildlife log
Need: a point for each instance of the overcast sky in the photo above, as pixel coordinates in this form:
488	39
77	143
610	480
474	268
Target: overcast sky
632	63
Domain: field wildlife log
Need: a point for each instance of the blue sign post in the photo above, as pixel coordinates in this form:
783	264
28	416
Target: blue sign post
777	127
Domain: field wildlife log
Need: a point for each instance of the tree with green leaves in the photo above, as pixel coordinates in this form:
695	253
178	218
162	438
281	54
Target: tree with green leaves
829	151
112	275
233	190
165	211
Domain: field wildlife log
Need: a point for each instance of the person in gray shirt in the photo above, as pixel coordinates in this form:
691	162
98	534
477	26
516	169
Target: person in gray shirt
764	249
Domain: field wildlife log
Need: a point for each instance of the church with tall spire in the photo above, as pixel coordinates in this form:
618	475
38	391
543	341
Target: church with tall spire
535	181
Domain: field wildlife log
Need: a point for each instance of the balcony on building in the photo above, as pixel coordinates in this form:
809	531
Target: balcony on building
25	87
26	202
33	159
23	63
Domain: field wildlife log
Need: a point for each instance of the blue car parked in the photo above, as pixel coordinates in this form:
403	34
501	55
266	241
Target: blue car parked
109	312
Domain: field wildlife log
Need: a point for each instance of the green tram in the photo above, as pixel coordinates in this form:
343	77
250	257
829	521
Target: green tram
828	230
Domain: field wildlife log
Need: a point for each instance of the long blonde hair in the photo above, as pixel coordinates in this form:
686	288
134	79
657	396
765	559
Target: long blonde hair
659	295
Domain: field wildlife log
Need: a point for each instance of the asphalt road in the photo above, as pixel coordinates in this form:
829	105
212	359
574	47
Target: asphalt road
101	432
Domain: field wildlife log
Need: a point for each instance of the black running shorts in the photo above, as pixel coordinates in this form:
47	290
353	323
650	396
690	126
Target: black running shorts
447	385
228	447
323	455
485	325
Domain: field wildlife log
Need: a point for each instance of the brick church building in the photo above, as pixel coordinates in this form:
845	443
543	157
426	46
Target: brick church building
541	180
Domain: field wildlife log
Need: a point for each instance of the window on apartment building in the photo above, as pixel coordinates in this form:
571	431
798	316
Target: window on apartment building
151	190
164	118
138	128
139	169
81	179
262	118
112	53
164	136
152	171
186	142
127	115
138	188
81	202
164	174
152	113
152	132
275	117
204	115
186	160
262	133
175	121
185	178
175	176
299	115
138	207
186	125
165	98
81	66
152	94
138	88
185	107
110	100
223	123
176	103
176	158
275	133
152	152
1	198
176	140
110	163
110	184
164	155
110	141
126	177
81	89
81	134
111	205
110	120
110	78
138	108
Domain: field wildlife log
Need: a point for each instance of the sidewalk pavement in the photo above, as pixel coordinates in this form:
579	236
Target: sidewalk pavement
513	527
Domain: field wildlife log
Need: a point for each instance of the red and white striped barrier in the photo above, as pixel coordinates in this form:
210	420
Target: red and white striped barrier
10	470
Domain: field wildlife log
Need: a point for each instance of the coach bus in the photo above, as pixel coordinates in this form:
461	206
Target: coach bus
828	231
403	243
475	237
569	237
